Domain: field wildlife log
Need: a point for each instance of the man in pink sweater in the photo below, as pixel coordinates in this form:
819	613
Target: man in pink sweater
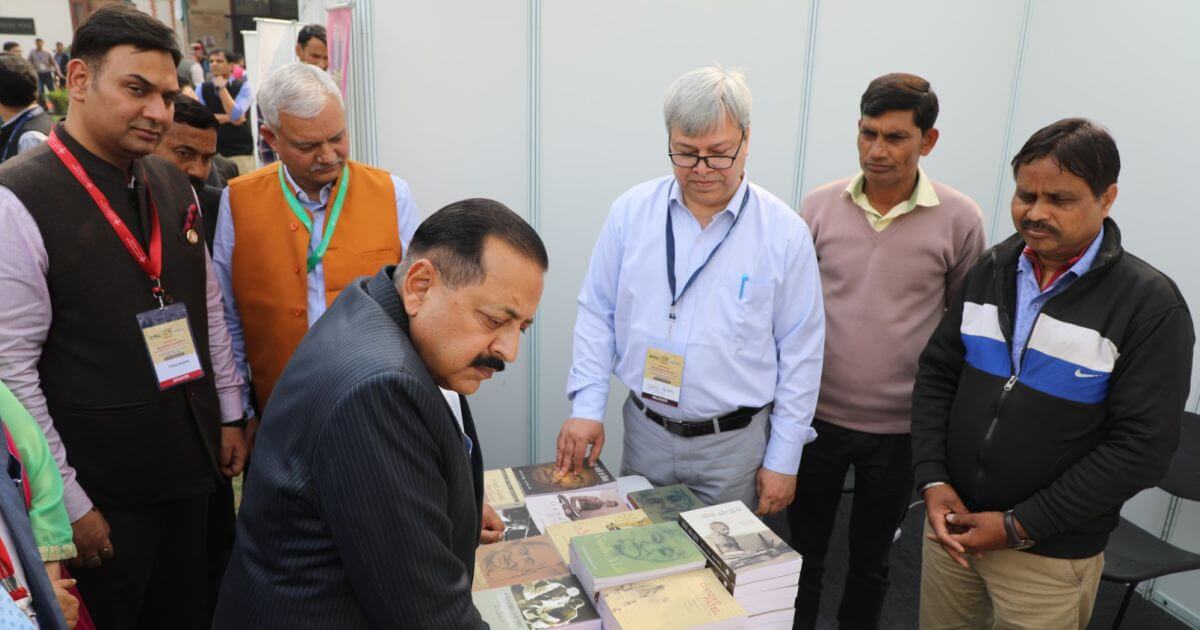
893	247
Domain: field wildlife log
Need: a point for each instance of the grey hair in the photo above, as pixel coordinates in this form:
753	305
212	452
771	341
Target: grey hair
297	89
699	101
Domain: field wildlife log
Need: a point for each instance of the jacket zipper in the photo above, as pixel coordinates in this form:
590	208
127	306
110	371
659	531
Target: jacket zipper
987	437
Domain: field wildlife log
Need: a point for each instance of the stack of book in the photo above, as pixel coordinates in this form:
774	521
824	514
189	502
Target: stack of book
549	497
547	603
753	563
562	533
625	556
687	600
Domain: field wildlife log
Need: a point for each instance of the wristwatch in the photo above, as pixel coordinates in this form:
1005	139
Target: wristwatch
1014	537
240	423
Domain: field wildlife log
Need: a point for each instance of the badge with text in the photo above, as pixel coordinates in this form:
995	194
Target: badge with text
169	340
663	376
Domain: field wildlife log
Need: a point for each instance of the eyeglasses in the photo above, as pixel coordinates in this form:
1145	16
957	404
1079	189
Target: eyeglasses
715	162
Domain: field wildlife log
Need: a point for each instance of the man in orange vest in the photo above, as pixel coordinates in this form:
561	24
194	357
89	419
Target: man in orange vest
292	234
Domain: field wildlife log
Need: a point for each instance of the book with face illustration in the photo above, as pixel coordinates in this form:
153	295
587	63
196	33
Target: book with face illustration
517	523
665	504
742	548
539	479
547	603
631	555
516	561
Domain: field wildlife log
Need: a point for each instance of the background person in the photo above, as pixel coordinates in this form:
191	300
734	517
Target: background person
1050	393
734	324
894	246
230	100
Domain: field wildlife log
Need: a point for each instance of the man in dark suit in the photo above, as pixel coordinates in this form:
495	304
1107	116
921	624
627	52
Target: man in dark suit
364	508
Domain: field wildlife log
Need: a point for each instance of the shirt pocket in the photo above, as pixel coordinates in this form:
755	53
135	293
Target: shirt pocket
747	305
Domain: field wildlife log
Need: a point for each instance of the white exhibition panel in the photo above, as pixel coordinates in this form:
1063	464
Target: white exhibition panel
966	50
555	109
452	120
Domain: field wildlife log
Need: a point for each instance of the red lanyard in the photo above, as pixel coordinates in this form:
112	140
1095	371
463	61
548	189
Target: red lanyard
151	264
8	577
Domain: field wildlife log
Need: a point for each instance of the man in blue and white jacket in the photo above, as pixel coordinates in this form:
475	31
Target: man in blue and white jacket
1051	393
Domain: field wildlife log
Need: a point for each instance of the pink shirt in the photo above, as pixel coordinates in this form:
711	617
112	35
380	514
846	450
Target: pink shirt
25	315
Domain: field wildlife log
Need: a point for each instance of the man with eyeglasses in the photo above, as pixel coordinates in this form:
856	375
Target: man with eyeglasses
704	299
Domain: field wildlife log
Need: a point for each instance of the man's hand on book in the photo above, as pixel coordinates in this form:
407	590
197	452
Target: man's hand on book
573	440
775	491
493	526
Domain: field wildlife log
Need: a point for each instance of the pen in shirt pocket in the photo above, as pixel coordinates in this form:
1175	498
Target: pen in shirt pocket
742	288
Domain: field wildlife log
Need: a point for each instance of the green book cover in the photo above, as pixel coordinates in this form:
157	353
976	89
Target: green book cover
663	505
636	550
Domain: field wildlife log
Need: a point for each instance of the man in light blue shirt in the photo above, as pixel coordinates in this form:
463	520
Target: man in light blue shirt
265	299
703	297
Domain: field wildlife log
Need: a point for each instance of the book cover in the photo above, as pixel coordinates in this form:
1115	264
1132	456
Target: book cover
550	509
685	600
544	479
741	543
515	561
665	504
517	523
501	490
548	603
632	483
635	550
562	533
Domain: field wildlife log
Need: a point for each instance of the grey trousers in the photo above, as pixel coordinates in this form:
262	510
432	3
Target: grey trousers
718	468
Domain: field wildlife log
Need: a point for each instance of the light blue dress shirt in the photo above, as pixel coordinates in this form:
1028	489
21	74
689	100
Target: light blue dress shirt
1031	298
241	102
753	322
407	219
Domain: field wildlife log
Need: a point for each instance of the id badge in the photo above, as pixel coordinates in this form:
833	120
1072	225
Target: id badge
662	378
169	341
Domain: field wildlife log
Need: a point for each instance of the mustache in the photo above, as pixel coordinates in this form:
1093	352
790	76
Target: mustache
321	167
488	362
1038	225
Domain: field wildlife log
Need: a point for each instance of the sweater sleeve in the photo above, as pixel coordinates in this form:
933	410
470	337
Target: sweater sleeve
938	371
48	512
1145	407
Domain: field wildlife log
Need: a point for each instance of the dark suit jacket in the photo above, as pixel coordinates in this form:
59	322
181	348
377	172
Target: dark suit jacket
363	507
12	510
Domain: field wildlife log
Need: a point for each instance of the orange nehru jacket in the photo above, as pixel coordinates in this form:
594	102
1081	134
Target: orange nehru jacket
270	257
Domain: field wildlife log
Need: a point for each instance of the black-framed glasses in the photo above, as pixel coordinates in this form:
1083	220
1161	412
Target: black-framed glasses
715	162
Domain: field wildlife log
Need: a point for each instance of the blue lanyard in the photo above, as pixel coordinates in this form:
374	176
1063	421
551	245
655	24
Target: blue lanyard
18	125
671	251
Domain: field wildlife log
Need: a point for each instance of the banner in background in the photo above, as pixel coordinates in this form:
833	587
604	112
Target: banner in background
337	29
276	47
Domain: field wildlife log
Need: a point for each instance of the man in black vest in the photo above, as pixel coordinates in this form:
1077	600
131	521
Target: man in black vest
230	100
26	124
111	332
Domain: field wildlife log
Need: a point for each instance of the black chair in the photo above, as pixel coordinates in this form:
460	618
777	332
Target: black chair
1135	555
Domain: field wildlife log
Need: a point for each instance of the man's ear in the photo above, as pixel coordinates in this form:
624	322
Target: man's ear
415	286
79	78
269	136
928	140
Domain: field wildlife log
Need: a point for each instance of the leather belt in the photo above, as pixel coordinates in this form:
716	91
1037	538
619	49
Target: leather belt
731	421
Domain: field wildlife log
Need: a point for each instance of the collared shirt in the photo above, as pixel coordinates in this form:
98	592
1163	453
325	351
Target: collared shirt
1031	297
753	322
241	102
25	314
42	61
407	219
30	138
923	195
